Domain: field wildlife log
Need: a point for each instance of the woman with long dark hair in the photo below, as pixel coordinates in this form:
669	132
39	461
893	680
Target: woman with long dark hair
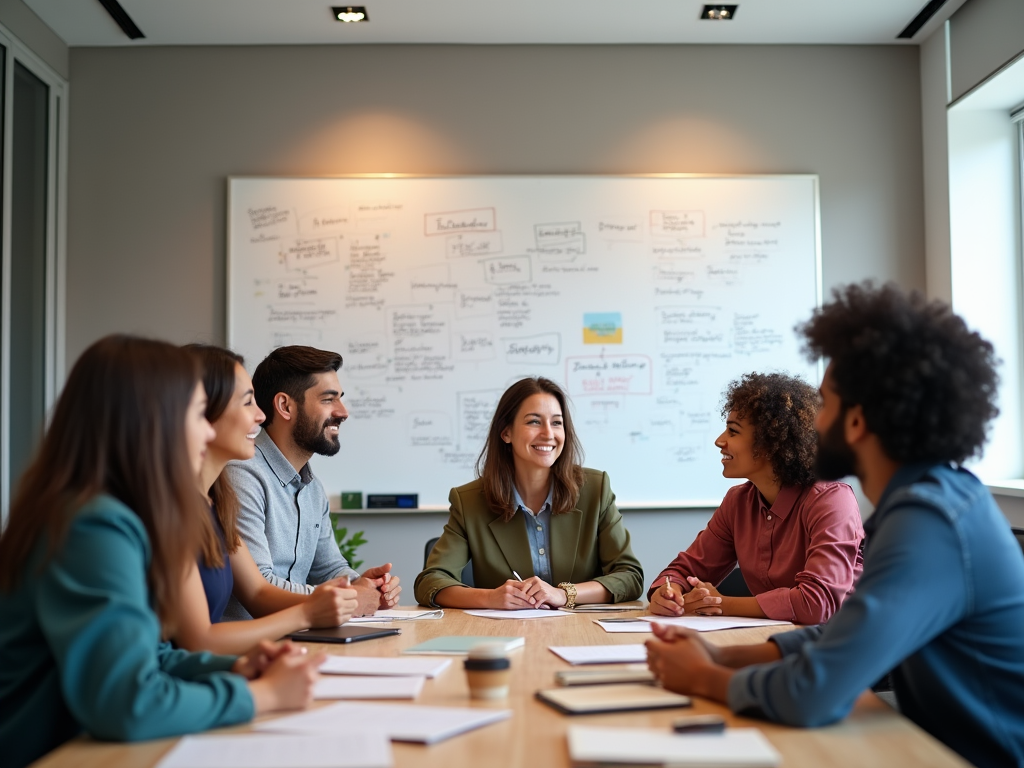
225	566
106	520
540	529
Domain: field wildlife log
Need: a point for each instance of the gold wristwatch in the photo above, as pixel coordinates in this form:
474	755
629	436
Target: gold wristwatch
570	594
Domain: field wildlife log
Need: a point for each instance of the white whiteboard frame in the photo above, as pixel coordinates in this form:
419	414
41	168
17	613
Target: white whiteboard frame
647	506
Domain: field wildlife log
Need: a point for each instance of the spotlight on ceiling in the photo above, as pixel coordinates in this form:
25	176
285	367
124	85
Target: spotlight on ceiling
350	13
719	12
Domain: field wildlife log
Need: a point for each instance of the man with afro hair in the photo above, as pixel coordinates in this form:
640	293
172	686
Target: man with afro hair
906	399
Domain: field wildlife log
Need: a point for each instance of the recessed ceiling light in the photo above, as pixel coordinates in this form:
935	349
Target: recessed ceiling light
350	13
719	12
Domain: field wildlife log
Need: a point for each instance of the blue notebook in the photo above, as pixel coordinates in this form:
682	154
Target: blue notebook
459	645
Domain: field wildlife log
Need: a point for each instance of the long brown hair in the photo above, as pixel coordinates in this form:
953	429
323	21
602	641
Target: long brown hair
218	366
496	466
118	428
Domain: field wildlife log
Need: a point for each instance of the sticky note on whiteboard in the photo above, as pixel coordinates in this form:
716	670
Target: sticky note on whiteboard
602	328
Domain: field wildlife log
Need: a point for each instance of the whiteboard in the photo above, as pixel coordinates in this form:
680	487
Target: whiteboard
642	296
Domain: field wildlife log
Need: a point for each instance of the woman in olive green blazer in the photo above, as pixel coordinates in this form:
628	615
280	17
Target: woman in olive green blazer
573	550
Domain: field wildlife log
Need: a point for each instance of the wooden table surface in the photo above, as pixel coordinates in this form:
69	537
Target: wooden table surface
534	737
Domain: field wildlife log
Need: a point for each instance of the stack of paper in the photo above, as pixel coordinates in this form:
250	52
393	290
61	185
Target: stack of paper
600	654
713	623
338	687
401	722
735	748
373	665
397	614
525	613
636	605
363	749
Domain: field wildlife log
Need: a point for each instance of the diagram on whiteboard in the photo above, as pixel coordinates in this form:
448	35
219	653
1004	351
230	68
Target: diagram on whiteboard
641	296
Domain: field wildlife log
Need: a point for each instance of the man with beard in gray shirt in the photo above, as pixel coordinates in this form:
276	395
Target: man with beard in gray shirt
284	515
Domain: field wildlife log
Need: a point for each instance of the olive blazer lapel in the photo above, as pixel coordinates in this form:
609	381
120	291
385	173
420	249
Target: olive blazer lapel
511	539
565	541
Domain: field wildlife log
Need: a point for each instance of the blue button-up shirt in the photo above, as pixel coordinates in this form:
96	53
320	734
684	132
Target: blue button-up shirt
538	531
940	603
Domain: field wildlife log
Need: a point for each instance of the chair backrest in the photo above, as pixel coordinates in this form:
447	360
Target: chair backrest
734	585
1019	534
467	572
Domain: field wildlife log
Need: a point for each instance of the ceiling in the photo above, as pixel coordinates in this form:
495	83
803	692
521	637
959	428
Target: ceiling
289	22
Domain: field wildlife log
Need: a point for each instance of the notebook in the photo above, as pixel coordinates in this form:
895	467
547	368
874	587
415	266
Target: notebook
459	645
343	634
735	748
600	654
400	722
625	697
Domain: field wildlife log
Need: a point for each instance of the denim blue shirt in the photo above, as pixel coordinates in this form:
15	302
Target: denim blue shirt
538	531
285	521
940	604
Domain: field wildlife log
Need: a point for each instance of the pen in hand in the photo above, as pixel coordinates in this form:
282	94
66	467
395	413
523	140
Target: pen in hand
518	577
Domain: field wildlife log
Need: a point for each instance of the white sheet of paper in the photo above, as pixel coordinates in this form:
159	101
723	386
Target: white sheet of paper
526	613
713	623
600	654
363	749
338	687
401	722
734	748
406	666
397	614
614	627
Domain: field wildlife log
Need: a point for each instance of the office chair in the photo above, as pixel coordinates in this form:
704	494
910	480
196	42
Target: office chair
467	572
1019	535
734	585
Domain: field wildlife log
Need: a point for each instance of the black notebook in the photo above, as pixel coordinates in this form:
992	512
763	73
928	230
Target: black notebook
342	634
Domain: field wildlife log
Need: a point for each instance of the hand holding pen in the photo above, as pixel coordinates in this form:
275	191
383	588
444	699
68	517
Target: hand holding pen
667	600
510	596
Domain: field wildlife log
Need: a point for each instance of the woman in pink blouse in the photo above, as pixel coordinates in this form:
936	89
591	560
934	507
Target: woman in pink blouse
797	540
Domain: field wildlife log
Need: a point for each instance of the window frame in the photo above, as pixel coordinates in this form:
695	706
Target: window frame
56	242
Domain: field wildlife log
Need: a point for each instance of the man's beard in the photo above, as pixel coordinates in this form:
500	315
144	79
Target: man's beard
835	459
310	436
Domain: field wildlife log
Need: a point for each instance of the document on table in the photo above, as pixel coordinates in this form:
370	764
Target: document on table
526	613
614	626
356	749
712	623
634	605
384	666
600	654
397	614
401	722
736	747
337	687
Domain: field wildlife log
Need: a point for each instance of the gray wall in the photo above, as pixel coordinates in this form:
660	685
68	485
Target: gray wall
33	32
155	131
984	36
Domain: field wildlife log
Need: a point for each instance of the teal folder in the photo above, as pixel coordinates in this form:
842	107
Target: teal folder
459	645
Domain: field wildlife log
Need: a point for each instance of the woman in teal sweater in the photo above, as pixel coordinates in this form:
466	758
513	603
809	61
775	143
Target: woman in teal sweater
106	519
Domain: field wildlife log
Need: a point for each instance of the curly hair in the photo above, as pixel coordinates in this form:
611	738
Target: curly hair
926	383
781	410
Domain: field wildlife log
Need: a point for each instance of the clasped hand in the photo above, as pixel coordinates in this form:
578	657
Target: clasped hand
533	592
282	675
702	599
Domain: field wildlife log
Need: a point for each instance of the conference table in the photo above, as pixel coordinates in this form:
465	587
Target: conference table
535	736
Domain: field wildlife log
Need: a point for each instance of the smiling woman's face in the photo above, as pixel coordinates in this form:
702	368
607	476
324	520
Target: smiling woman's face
737	446
238	426
537	432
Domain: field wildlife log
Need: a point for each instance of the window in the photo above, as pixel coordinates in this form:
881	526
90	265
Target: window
33	135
